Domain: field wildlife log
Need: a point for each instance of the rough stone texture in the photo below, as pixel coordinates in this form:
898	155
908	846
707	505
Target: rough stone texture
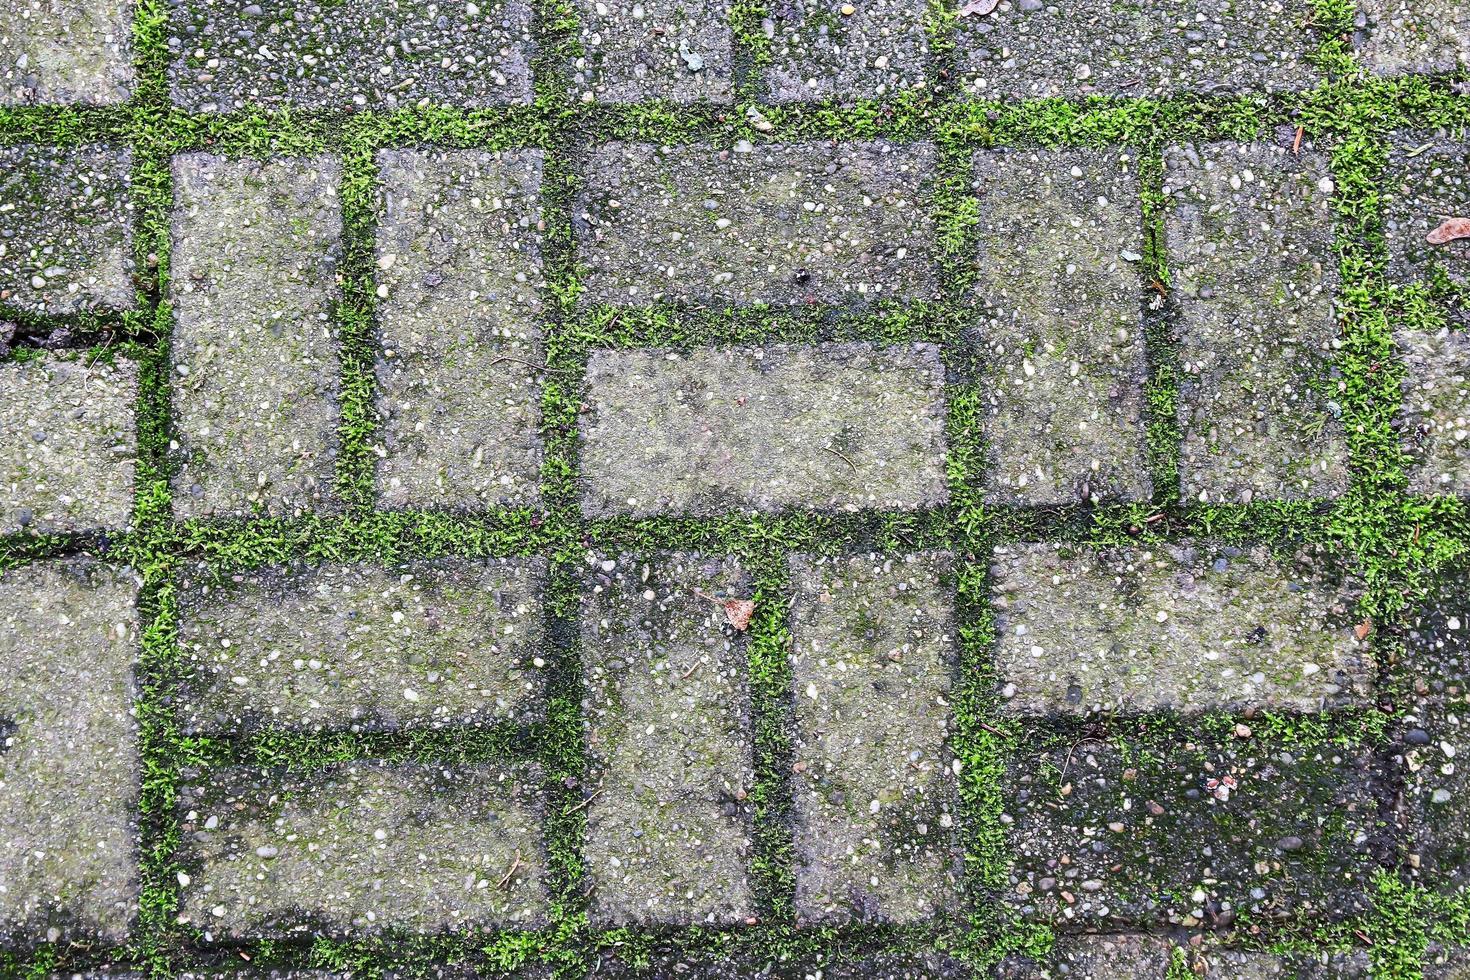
1426	179
369	54
1237	965
459	255
791	223
1060	238
1112	957
676	50
887	966
1030	49
255	350
430	643
65	243
1436	409
832	426
1249	238
66	51
1436	665
69	760
1446	964
1170	835
667	725
818	51
361	847
1402	37
874	657
68	445
1183	628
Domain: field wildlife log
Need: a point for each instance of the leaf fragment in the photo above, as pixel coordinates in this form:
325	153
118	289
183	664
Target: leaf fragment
1449	230
980	8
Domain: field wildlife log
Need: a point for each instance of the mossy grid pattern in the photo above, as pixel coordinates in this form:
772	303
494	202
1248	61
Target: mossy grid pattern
1398	541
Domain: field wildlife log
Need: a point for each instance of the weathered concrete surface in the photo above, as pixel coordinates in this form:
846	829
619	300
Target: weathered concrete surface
1425	180
1107	957
667	725
742	966
842	52
1399	37
792	223
874	659
75	52
68	445
1436	409
842	427
677	50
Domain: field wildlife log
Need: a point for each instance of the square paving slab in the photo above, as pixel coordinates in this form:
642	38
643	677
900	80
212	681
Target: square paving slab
821	49
1401	37
676	50
72	52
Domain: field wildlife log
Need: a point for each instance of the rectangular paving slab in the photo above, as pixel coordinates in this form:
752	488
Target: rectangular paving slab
1180	628
848	427
425	644
680	51
370	54
1033	49
359	848
874	656
1436	409
842	52
459	280
1061	237
666	717
65	241
1253	276
256	250
1156	836
68	444
792	223
69	766
1425	181
1403	37
73	52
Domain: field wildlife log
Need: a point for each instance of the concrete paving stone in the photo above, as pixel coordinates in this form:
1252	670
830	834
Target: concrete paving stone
1426	179
68	445
358	848
1436	409
675	50
256	362
1240	965
1031	49
1436	728
1095	833
1061	236
744	966
667	727
459	256
874	654
74	52
826	50
69	767
1182	628
370	54
1400	37
846	427
1446	964
786	223
1122	956
1249	238
65	242
426	644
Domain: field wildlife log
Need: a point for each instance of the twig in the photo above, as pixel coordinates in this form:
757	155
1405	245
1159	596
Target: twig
1296	144
513	866
533	364
838	454
992	730
692	668
588	800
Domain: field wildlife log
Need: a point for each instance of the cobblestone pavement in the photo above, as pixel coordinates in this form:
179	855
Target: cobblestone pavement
733	489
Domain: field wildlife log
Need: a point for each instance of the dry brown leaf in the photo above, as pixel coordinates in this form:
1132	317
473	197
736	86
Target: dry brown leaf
978	8
738	612
1449	230
1363	628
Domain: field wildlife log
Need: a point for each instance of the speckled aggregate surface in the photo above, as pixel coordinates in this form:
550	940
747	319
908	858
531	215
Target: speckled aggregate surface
369	54
459	320
874	658
1436	409
346	849
1060	245
1399	37
365	648
1249	242
1105	957
70	52
926	966
69	767
1042	48
679	50
841	427
68	445
1426	179
255	349
65	240
838	51
791	223
1182	628
667	728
